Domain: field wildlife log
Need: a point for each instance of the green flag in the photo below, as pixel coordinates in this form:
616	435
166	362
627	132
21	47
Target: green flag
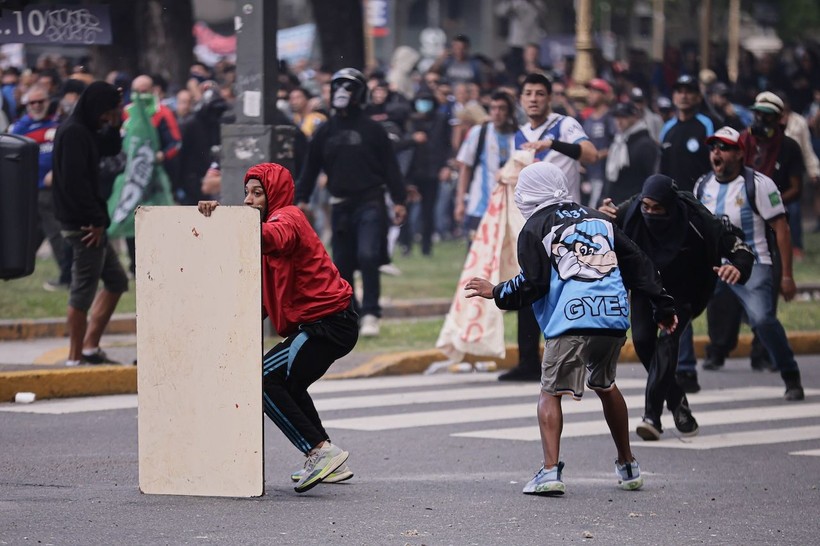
143	182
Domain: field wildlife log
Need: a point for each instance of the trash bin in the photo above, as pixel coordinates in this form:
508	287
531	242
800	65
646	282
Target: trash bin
18	205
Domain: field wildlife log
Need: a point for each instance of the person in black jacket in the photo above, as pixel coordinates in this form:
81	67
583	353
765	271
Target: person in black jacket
687	244
91	132
633	155
429	136
358	158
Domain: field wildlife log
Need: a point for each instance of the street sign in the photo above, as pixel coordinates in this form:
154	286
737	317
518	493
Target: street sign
57	24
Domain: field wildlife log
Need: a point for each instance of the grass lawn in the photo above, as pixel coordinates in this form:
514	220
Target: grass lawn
422	278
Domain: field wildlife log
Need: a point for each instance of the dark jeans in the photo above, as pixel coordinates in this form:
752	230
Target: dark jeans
425	223
296	363
659	355
756	298
360	242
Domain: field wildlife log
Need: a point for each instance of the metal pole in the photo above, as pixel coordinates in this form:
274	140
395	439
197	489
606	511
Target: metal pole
733	57
658	30
705	32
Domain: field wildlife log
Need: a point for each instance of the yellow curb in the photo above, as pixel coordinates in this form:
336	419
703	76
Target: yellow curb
14	330
66	383
99	380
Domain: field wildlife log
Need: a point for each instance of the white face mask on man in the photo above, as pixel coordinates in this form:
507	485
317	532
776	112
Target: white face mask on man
341	98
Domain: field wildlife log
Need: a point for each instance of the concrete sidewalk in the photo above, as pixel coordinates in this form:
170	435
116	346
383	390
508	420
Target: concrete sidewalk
33	352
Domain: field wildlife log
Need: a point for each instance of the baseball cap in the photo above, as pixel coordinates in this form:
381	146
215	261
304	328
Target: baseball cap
600	85
688	82
624	109
769	103
664	103
637	95
727	135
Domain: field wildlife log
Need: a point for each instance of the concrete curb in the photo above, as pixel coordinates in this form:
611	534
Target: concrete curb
101	380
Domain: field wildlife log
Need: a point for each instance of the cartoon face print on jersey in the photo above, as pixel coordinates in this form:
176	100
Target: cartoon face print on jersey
583	251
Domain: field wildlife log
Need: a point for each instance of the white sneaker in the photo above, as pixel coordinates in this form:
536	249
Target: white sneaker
390	269
319	465
369	326
341	474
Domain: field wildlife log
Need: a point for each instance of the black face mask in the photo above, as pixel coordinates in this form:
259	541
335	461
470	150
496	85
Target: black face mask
760	128
657	223
109	140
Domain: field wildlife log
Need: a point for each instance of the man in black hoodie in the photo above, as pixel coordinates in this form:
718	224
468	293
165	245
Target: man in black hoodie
90	133
688	246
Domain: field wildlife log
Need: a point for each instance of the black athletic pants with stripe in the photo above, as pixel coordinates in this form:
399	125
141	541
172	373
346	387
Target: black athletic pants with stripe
296	363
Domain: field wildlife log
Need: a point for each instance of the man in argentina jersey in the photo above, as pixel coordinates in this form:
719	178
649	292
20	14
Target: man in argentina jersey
723	192
561	141
575	267
477	179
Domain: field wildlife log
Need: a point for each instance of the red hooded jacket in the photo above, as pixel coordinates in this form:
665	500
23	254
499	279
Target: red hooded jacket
300	283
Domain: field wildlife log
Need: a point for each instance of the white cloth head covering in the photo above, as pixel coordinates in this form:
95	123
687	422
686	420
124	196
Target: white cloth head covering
540	185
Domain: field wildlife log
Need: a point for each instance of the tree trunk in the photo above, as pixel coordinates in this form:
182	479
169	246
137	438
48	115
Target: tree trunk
340	28
149	37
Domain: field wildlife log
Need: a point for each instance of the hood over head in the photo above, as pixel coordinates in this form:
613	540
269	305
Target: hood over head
97	99
278	184
540	185
662	189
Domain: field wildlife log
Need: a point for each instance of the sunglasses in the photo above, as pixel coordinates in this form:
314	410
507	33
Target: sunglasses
33	102
722	146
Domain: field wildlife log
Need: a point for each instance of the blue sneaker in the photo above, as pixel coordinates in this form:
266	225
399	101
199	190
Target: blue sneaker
546	482
629	475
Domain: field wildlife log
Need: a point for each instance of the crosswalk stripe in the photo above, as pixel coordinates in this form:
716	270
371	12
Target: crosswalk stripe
517	411
808	452
487	392
401	382
706	418
75	405
735	439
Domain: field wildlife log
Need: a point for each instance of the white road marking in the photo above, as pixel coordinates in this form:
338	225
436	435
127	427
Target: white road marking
706	418
807	452
75	405
746	438
516	411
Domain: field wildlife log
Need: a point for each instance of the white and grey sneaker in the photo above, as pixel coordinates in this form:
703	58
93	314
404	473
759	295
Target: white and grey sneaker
341	474
547	481
319	465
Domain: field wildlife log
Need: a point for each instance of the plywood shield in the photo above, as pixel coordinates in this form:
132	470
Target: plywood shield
199	351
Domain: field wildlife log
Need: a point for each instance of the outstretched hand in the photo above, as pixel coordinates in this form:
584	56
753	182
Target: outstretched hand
480	287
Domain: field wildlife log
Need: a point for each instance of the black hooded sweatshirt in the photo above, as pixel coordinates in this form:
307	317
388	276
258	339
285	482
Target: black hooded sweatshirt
78	146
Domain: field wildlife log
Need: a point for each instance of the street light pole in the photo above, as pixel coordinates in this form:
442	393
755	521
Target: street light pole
583	69
254	137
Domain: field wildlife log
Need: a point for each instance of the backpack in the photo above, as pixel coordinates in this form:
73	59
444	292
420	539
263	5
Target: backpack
751	195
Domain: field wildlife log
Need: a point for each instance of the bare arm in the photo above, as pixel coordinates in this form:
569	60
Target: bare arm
784	245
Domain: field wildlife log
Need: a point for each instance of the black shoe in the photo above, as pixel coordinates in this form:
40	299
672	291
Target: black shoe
794	394
713	363
98	357
684	422
649	429
519	373
688	381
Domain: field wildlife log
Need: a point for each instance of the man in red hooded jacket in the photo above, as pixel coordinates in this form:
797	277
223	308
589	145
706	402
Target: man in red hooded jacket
310	305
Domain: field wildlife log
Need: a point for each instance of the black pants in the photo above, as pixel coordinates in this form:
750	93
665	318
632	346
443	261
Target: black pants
529	339
360	242
424	223
659	355
296	363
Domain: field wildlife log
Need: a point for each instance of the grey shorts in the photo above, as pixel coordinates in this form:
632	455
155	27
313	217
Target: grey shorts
571	361
90	265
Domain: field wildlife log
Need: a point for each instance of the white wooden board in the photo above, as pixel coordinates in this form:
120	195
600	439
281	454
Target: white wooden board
199	351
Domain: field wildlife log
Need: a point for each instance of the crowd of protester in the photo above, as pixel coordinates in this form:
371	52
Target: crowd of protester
428	109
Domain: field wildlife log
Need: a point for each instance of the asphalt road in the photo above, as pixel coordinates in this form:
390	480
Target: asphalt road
438	460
